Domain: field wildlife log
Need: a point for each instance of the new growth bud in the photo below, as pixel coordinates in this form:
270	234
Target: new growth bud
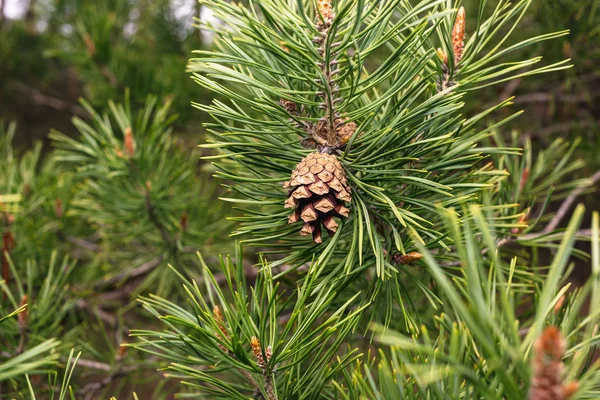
458	35
325	14
129	142
221	324
255	344
547	377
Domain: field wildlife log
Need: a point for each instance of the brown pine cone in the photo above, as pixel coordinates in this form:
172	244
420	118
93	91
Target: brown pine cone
318	190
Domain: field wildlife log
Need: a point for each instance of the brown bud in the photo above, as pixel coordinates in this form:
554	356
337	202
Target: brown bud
559	304
289	106
220	321
407	258
524	179
129	142
321	129
346	131
58	208
255	344
90	46
122	350
23	317
547	377
458	35
183	221
570	388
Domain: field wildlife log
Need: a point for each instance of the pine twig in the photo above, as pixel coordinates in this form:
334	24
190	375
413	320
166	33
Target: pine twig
42	99
126	275
567	203
550	227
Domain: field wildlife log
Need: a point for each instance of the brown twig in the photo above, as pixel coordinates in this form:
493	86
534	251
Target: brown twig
567	203
126	275
550	227
42	99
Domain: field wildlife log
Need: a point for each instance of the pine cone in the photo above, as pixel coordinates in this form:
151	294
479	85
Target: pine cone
318	189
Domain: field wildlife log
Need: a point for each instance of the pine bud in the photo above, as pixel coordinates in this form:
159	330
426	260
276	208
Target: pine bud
524	179
58	208
129	142
570	388
23	317
442	55
346	131
255	344
559	304
289	106
122	350
547	380
220	321
325	12
89	45
221	324
183	221
522	220
458	35
407	258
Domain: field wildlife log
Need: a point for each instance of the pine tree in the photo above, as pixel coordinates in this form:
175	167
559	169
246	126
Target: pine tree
404	250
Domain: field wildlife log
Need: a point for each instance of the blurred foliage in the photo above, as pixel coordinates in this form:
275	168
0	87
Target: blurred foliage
563	104
95	50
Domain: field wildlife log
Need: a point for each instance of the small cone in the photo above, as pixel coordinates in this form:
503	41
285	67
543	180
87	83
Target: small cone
318	187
